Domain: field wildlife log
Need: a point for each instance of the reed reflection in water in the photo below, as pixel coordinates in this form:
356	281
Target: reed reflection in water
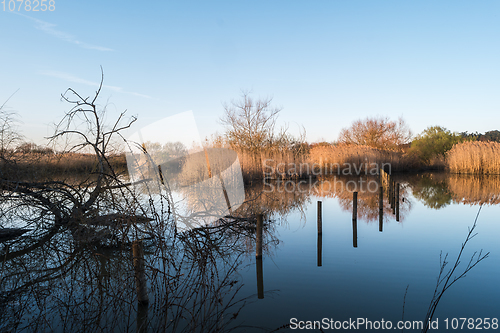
81	278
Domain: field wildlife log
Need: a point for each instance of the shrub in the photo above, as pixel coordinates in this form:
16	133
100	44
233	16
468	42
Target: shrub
433	143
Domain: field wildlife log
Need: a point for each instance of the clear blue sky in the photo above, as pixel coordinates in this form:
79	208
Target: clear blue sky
327	63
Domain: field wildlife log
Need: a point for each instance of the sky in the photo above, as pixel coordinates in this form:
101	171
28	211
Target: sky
326	63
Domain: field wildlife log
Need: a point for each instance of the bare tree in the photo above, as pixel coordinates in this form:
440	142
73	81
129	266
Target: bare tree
71	202
76	254
378	132
448	278
9	134
250	122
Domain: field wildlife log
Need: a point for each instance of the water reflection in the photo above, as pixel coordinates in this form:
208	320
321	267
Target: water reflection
370	207
432	190
437	190
77	278
319	243
146	276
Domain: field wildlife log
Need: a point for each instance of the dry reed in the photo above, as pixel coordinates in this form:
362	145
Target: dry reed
36	166
275	163
475	158
340	158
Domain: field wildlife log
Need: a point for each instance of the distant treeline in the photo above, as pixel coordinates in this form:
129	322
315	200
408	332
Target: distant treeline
487	136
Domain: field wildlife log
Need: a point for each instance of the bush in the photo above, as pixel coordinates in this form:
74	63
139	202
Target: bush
433	143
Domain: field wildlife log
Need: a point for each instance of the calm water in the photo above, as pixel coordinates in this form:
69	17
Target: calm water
354	270
369	281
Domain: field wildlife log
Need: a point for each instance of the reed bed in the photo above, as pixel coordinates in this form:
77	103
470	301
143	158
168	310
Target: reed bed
475	158
274	163
357	159
321	160
37	166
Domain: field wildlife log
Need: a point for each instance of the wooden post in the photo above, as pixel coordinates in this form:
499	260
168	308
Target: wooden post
355	219
320	235
397	202
354	206
258	256
258	243
393	198
320	219
260	279
142	317
380	209
320	250
389	190
140	276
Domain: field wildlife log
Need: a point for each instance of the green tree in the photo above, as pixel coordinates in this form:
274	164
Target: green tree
492	136
434	142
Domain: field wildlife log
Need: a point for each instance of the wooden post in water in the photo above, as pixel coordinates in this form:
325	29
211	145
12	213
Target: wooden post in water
354	206
320	235
140	276
258	243
389	190
260	279
393	198
397	202
355	219
142	317
258	257
320	218
380	209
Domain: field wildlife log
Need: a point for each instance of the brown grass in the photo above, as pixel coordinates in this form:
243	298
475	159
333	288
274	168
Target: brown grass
321	160
475	158
273	163
36	166
336	159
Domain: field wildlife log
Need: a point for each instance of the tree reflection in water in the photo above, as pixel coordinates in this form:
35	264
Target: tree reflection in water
437	190
81	278
77	273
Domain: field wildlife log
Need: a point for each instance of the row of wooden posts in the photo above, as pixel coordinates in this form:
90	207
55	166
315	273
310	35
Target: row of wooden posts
393	197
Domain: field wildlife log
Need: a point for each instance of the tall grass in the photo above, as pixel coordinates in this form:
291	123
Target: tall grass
36	166
273	163
340	158
279	163
475	158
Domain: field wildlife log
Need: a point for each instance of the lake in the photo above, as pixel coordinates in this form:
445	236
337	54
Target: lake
370	271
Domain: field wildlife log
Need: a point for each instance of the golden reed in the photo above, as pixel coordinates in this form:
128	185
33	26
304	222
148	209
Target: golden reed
475	158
